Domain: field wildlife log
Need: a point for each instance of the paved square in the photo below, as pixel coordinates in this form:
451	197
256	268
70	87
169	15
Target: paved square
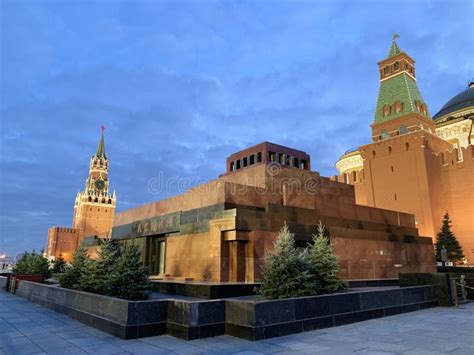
26	328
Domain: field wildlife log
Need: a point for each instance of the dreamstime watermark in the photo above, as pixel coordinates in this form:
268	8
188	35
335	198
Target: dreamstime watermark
276	179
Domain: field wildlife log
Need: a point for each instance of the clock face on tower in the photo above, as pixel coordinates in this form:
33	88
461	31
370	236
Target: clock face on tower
99	184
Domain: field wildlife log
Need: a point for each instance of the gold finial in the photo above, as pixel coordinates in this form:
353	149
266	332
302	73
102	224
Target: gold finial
395	36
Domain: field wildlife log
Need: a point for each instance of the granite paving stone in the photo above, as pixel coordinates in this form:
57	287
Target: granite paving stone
144	348
27	328
72	350
105	348
86	341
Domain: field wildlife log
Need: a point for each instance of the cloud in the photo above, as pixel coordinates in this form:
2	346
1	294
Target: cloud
180	85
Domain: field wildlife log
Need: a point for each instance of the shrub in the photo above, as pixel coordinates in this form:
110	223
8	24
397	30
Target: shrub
32	264
323	263
285	272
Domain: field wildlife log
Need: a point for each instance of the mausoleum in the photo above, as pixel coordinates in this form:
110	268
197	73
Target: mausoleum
220	230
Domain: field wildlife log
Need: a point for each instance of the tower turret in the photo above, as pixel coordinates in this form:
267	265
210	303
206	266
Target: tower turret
400	106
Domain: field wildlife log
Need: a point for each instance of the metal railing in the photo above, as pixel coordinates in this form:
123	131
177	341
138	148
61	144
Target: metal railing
459	290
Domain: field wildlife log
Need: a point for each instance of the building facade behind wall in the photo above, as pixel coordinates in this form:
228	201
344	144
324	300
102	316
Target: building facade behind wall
94	210
417	164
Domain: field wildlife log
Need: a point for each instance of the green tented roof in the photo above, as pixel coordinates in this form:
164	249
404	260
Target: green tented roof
401	88
394	50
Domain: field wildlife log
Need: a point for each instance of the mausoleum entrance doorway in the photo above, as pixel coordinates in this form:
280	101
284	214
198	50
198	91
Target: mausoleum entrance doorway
157	254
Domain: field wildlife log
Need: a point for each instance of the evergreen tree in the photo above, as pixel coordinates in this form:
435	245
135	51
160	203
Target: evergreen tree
33	264
58	265
117	272
285	272
101	269
447	239
129	278
88	280
73	274
323	263
21	266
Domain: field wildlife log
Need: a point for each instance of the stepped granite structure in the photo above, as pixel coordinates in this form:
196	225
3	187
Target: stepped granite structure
221	230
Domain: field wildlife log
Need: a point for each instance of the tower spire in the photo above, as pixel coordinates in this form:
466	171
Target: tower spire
101	148
394	48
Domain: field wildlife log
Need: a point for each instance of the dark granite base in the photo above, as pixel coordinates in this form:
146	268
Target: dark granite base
262	319
372	283
248	318
119	330
131	319
209	291
287	328
195	332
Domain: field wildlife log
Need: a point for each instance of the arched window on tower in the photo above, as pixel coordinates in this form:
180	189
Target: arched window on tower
384	135
403	129
396	66
398	107
424	109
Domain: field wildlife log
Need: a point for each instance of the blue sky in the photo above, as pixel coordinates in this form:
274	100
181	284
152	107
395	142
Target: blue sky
180	85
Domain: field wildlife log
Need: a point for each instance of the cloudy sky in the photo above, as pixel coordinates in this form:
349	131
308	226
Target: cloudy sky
182	84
